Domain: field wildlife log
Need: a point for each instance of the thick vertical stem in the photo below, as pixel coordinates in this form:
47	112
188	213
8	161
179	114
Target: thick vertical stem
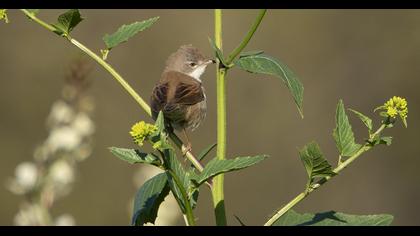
217	191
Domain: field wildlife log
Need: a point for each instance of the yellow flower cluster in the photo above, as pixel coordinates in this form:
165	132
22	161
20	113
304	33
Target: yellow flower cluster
140	131
396	106
3	15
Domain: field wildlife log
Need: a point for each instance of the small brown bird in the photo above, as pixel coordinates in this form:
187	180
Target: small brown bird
179	94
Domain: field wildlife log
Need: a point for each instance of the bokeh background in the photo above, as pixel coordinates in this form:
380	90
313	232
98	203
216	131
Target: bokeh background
361	56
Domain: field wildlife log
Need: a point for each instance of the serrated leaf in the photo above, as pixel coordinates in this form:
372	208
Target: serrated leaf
3	15
67	22
264	64
148	199
173	164
216	166
218	53
135	156
366	120
315	163
125	32
33	11
332	218
343	135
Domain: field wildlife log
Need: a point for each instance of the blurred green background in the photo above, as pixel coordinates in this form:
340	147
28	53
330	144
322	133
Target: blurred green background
361	56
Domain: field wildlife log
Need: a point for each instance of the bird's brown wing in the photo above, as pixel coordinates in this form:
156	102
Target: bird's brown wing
174	93
158	98
188	91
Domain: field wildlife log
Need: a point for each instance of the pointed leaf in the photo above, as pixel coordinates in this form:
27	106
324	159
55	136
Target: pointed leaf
218	53
67	21
160	122
343	135
332	218
315	163
206	151
216	166
135	156
148	199
264	64
172	163
125	32
366	120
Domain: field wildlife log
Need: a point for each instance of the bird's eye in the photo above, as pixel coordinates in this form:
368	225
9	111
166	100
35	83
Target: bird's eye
192	64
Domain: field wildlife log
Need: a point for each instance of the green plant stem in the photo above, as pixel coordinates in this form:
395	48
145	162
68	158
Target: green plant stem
188	210
117	76
322	181
119	79
221	71
247	38
217	190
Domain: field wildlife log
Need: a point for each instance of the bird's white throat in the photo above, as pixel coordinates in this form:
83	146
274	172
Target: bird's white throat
198	72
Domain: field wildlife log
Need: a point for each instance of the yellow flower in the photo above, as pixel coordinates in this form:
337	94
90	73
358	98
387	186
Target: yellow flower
3	15
140	131
396	106
393	107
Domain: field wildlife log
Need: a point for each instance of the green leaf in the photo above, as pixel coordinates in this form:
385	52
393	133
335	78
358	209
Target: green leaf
159	137
33	11
216	166
193	196
387	140
206	151
172	163
366	120
135	156
125	32
315	163
160	122
343	135
251	53
332	218
218	53
3	15
67	21
264	64
404	120
148	199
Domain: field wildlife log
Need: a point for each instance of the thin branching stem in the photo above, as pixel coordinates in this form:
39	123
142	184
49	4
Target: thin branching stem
143	104
247	38
322	181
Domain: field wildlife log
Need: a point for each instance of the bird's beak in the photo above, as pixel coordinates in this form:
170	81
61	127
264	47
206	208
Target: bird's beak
210	61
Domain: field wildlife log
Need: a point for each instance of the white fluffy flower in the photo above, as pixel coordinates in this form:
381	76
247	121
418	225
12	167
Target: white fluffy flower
26	175
61	173
63	138
65	220
83	124
60	113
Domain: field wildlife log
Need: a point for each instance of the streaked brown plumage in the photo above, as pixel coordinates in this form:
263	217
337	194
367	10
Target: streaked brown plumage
179	94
